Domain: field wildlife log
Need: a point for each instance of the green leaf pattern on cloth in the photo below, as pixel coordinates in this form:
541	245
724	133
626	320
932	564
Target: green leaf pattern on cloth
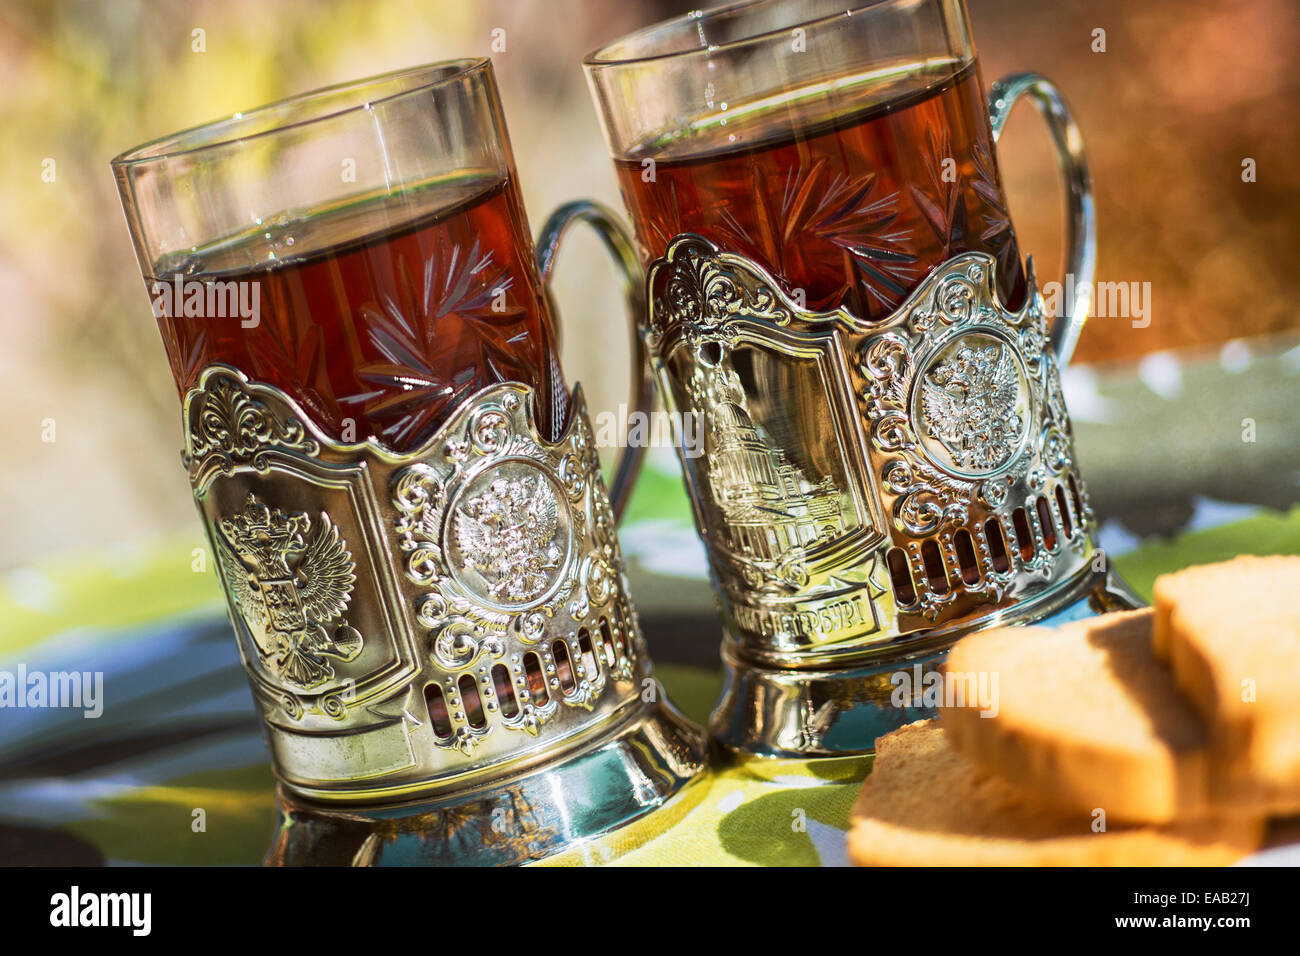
139	807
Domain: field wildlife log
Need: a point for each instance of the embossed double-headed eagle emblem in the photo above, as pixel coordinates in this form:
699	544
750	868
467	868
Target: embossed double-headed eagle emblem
970	402
291	587
507	534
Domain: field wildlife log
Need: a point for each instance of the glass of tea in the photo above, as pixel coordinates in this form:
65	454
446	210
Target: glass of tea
401	494
837	294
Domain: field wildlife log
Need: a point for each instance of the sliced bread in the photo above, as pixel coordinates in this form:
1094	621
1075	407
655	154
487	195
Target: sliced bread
925	805
1084	715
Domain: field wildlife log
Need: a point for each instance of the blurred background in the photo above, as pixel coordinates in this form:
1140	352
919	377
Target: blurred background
1187	429
1182	95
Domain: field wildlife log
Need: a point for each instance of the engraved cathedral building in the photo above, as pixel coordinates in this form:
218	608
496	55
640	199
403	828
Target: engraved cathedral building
770	506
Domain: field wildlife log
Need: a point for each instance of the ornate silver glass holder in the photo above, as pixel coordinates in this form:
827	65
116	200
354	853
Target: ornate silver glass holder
440	644
867	491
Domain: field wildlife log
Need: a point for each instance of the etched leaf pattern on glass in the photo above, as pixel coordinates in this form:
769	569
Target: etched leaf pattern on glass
289	349
854	212
805	215
943	206
456	314
665	222
997	233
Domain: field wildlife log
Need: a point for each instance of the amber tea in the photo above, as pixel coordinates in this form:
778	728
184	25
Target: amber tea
853	209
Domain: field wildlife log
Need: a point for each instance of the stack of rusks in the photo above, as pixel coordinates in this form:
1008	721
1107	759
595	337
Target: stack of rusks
1162	737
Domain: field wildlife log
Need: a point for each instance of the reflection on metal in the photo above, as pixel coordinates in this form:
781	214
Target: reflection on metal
973	399
417	625
290	585
509	534
772	510
586	809
870	489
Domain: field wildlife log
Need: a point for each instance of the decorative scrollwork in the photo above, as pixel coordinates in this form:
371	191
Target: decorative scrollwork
926	498
932	427
510	538
702	289
356	609
228	426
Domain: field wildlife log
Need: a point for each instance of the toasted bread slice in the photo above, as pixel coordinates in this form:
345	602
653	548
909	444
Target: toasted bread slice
1085	716
1230	632
924	805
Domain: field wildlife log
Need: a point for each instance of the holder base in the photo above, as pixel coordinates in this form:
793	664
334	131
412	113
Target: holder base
768	712
583	799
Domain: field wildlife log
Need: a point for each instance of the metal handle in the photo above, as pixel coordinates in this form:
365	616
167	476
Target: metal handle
1081	239
618	241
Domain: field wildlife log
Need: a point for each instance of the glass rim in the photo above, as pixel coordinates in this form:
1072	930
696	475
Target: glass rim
224	132
601	58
